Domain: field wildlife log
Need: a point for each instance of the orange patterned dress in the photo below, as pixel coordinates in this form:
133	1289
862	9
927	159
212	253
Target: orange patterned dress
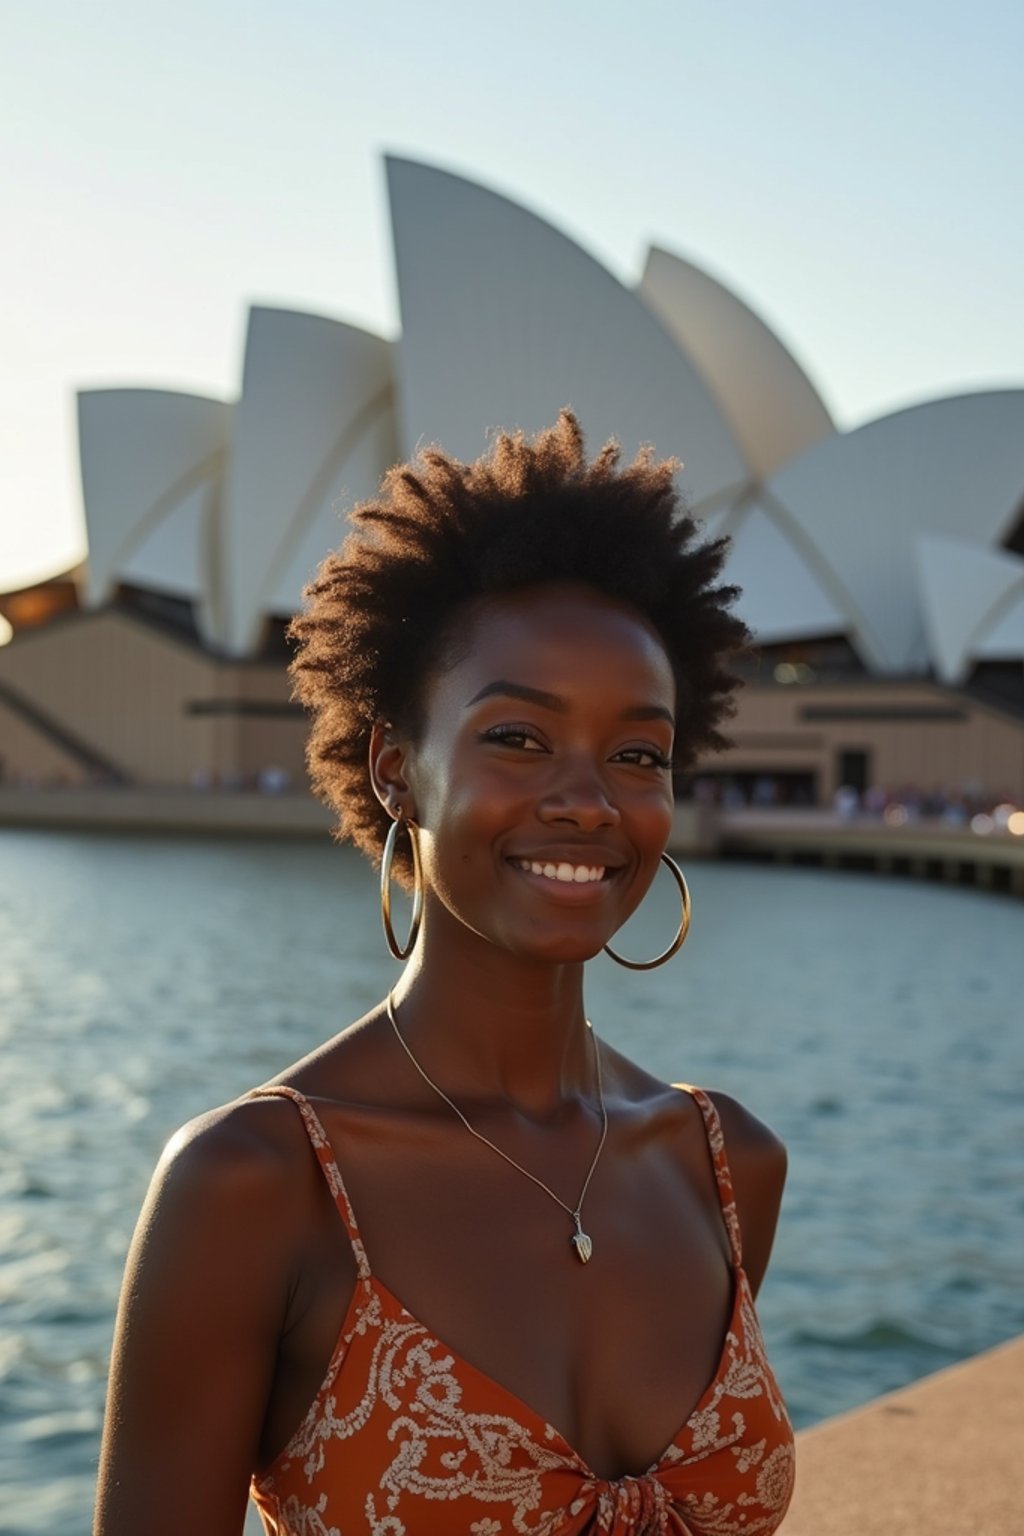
405	1438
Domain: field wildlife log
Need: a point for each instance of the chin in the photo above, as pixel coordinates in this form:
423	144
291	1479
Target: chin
559	951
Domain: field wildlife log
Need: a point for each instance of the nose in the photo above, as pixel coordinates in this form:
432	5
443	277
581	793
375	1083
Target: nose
578	796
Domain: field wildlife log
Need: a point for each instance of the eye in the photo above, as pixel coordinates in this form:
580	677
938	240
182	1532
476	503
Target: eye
520	737
643	757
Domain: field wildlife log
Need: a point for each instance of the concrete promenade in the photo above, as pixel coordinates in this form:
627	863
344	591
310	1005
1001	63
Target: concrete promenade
943	1455
928	847
101	808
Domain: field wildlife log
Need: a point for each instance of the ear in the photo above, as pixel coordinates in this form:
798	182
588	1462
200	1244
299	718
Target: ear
389	765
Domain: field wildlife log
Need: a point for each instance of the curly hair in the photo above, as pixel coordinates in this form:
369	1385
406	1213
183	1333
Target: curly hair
442	535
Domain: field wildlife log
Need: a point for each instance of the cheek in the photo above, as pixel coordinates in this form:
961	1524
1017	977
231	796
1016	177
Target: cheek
659	823
657	809
460	821
464	795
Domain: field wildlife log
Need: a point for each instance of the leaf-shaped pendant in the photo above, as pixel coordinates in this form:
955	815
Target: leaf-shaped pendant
582	1245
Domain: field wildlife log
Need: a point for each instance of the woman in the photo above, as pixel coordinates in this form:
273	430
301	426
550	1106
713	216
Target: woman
543	1321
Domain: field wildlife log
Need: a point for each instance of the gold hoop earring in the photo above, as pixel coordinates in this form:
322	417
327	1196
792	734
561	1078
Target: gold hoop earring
681	931
385	890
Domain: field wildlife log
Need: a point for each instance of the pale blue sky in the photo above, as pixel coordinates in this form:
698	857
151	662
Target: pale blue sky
854	173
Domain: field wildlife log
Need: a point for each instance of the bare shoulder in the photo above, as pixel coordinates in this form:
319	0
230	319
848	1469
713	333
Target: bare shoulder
749	1141
248	1151
751	1144
224	1181
757	1164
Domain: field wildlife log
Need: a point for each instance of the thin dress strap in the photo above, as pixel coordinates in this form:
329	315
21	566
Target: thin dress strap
321	1145
723	1178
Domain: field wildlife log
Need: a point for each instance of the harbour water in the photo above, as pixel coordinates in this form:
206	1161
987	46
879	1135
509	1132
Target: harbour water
875	1024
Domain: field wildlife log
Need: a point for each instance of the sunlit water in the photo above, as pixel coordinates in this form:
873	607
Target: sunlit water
875	1024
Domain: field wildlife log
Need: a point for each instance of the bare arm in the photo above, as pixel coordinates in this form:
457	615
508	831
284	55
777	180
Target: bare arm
203	1303
757	1161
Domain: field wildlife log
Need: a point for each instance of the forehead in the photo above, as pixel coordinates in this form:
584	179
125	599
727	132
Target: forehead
554	637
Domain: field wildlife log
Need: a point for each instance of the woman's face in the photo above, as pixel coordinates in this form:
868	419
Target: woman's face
542	782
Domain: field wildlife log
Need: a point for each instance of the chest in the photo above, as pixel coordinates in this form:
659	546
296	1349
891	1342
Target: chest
615	1354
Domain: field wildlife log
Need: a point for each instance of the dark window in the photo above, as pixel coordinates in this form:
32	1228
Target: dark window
174	613
853	764
888	712
998	682
1016	540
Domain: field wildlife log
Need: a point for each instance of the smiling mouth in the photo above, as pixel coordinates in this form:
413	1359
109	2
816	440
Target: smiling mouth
563	872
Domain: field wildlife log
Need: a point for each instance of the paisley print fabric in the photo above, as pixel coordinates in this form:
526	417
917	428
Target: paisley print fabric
405	1438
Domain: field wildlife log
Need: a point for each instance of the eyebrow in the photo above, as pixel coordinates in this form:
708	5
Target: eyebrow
552	701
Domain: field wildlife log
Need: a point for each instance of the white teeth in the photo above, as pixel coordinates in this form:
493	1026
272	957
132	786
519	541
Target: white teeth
569	874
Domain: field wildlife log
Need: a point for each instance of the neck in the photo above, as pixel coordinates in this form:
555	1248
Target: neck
489	1025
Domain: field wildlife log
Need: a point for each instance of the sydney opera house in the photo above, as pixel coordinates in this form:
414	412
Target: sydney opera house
882	569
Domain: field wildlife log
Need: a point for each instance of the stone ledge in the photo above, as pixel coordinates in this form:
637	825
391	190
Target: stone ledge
943	1454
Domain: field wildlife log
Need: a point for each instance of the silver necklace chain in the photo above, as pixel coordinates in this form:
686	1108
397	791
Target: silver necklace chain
582	1244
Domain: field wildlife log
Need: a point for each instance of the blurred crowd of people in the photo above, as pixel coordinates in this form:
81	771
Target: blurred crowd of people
270	780
970	804
956	806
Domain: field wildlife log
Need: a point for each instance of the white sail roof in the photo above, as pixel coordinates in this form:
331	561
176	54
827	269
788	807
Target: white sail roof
951	467
505	320
771	405
889	534
151	465
313	424
972	600
785	593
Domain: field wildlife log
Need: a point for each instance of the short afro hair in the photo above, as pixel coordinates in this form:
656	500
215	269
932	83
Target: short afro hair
442	535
